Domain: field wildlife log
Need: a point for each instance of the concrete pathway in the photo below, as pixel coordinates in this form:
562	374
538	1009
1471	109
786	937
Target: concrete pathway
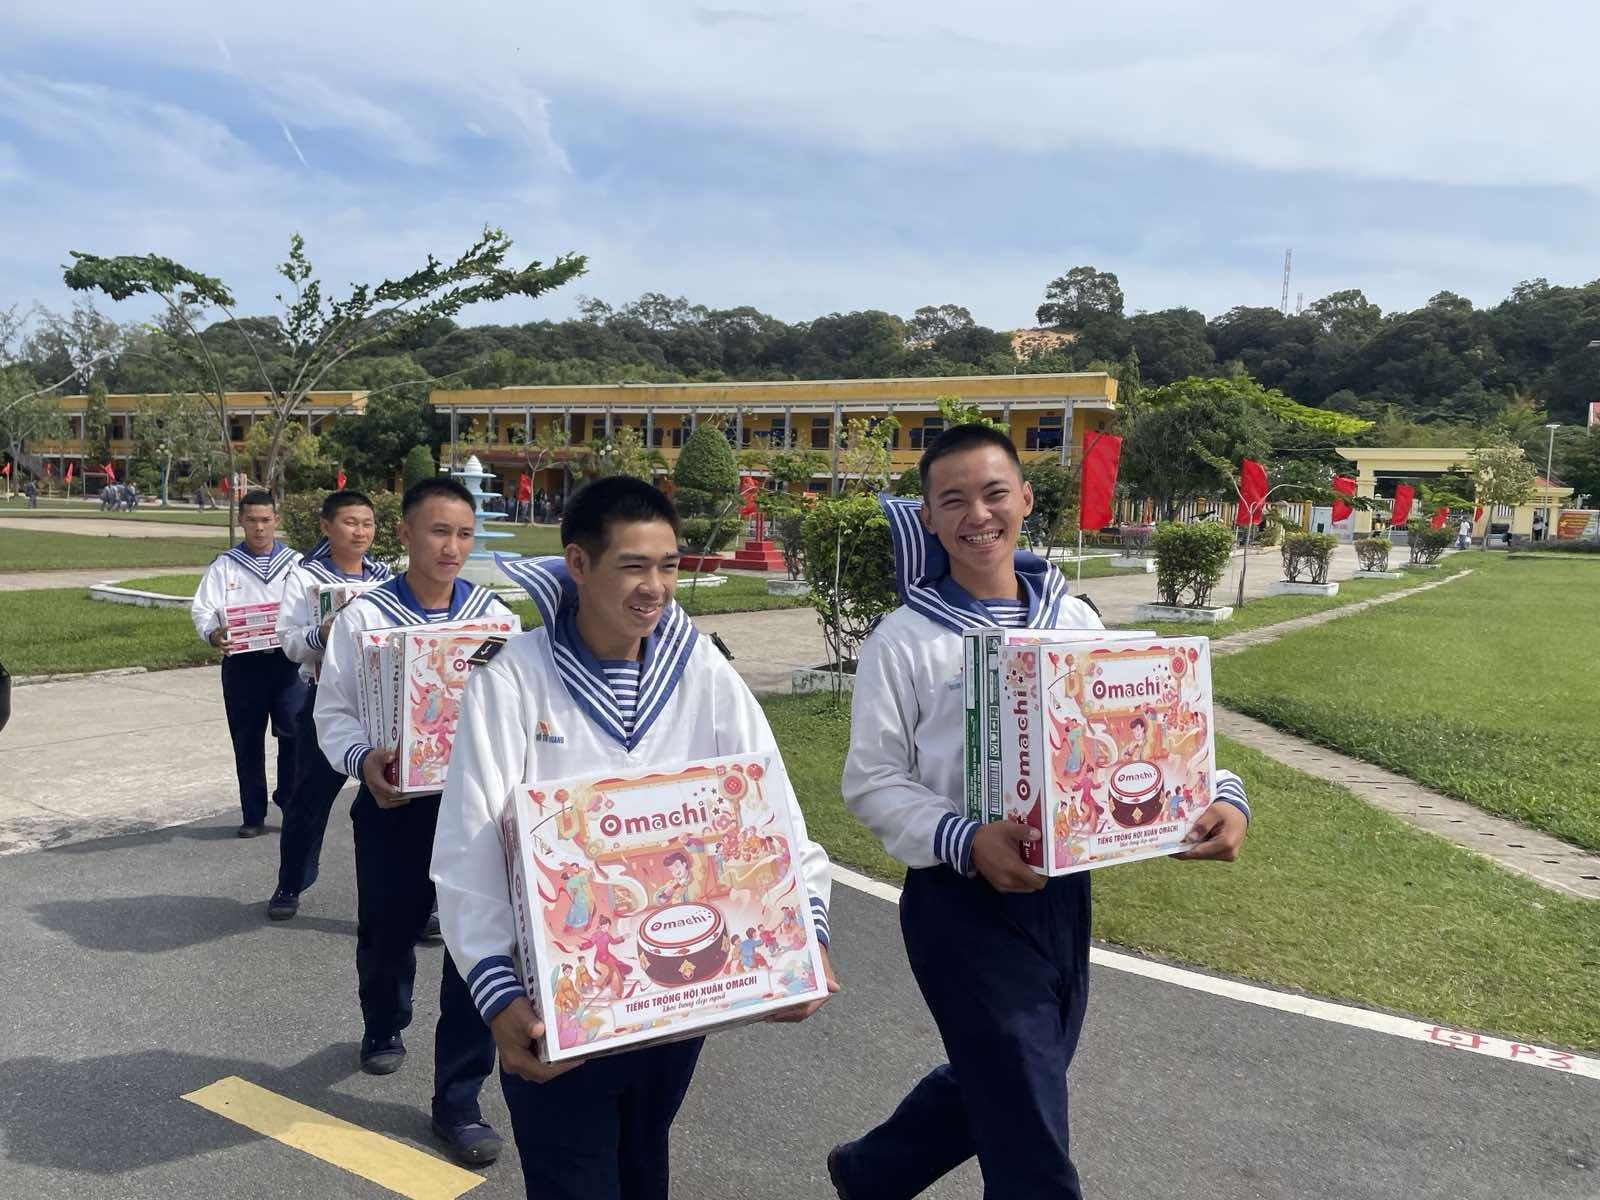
1236	642
25	581
109	527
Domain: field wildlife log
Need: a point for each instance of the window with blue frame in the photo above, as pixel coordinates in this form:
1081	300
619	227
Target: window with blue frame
921	436
1046	435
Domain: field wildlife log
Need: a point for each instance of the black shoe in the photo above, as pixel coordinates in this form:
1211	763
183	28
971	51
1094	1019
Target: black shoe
430	928
474	1145
833	1173
283	905
382	1055
252	831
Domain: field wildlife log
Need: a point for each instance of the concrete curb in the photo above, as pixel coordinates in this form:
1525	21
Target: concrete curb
112	594
76	676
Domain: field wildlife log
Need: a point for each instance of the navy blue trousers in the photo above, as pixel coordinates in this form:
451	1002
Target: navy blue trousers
259	690
393	898
305	820
1006	979
600	1132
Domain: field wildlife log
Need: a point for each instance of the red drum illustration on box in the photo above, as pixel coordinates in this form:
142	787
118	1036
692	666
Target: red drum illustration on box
658	906
1108	748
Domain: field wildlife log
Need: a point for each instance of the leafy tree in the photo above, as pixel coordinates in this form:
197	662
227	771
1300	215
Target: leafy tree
96	428
1070	299
865	459
706	489
1581	468
174	431
1501	474
417	465
1055	488
933	322
369	445
624	453
27	414
295	354
850	566
956	411
1347	315
1171	446
1170	345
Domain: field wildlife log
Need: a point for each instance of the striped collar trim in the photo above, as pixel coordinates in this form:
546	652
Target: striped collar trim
319	565
278	559
922	576
666	651
395	600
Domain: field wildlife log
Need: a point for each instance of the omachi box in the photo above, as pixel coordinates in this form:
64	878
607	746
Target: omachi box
328	598
659	906
251	627
1108	748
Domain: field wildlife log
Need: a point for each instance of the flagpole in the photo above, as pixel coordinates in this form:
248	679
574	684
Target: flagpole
1079	584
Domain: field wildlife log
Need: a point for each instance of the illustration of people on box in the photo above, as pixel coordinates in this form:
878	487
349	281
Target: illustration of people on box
437	668
1128	750
664	896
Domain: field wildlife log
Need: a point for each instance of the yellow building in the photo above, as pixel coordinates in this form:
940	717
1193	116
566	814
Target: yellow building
1380	468
244	410
1039	410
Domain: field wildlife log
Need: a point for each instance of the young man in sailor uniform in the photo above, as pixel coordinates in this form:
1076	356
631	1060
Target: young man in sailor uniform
261	687
971	909
615	679
394	833
348	527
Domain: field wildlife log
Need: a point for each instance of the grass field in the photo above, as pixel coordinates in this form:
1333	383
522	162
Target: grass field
46	550
1331	896
1269	610
1482	690
56	630
175	514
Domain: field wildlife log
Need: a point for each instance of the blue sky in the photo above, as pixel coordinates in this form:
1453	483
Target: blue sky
813	158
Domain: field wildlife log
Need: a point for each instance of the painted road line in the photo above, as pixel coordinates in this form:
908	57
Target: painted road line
381	1160
1305	1006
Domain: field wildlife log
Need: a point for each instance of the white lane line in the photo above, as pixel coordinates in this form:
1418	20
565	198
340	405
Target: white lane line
1322	1010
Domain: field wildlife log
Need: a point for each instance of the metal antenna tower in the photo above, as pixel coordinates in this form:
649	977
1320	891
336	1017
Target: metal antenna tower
1288	261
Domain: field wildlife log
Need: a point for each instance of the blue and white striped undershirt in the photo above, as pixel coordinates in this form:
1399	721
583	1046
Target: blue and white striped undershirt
1008	614
623	678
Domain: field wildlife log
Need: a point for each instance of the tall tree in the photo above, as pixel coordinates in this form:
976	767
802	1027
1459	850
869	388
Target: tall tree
933	321
1071	298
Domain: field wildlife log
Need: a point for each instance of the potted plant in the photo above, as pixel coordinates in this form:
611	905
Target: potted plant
1190	561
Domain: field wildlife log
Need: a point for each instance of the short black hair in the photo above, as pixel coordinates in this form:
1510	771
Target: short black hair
964	437
592	511
344	498
426	489
257	496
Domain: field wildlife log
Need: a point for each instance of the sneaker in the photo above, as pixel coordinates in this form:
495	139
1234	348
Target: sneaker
382	1055
430	928
472	1145
283	905
252	831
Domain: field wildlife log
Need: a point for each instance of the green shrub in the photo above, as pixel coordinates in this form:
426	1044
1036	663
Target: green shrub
1308	554
1272	529
299	523
849	562
786	521
1190	560
1571	546
1372	554
706	490
1427	544
417	466
909	483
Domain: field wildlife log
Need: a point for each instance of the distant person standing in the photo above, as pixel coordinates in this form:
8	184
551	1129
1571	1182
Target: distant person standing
31	491
1464	534
348	526
261	688
1538	527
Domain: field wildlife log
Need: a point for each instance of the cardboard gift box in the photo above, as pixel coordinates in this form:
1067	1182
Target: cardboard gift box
659	906
328	598
410	690
1108	747
251	627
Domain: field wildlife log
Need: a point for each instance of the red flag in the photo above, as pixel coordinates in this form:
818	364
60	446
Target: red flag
525	488
1252	493
1403	495
1097	481
50	470
6	470
748	489
223	484
111	475
339	479
1439	518
1345	486
69	471
1477	514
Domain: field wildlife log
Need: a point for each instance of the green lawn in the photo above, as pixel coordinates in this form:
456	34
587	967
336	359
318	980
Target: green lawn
46	550
1482	690
1331	896
175	514
56	630
1269	610
185	584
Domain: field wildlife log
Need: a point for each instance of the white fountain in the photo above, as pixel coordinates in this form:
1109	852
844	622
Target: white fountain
479	567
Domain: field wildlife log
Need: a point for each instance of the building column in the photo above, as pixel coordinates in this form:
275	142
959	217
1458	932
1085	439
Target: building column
833	437
608	422
454	432
1361	519
738	429
1068	433
566	420
649	426
527	425
789	438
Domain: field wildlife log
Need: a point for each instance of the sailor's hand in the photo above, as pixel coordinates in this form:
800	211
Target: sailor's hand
219	638
515	1029
375	774
801	1011
997	856
1218	834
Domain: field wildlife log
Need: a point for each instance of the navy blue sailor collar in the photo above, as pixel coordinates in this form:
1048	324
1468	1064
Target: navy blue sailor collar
664	655
922	576
277	560
319	564
395	599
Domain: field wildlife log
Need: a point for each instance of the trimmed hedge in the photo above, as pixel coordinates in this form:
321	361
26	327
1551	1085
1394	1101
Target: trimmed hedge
1190	560
1372	554
1308	554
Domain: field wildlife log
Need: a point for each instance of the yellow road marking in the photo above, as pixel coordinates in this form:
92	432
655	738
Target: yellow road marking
384	1161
